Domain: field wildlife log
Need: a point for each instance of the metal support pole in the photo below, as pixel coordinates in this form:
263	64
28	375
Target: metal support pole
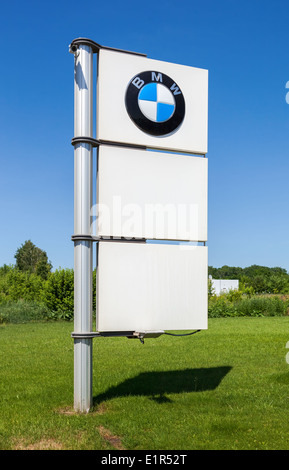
83	162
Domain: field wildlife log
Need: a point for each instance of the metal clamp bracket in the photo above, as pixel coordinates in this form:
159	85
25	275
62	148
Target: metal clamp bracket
110	334
97	334
83	237
96	47
84	140
97	143
91	238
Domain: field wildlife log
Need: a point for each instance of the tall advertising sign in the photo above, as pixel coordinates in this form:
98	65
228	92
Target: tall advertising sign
151	191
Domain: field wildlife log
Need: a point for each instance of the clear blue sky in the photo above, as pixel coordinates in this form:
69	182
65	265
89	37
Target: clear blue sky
245	47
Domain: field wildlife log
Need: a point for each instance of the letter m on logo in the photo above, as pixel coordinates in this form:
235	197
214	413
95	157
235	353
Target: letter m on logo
157	77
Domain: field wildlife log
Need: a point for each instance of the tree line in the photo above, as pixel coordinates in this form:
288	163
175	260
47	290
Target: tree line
258	279
30	286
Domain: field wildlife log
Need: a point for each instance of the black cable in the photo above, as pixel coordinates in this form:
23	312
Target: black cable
184	334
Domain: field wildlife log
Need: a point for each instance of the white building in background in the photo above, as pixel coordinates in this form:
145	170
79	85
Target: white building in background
223	285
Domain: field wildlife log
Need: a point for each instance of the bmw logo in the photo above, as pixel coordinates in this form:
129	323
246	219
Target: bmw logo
155	103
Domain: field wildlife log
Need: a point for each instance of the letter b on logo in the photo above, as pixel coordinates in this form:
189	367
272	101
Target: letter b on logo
137	82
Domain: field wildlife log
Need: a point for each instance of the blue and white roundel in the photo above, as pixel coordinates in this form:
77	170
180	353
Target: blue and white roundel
156	102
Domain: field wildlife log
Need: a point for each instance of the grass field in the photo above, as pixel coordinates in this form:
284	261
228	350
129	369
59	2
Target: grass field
224	388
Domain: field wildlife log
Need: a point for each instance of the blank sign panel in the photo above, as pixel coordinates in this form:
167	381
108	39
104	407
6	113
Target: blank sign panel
151	195
150	287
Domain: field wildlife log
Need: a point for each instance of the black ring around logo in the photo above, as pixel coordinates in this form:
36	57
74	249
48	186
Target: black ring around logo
155	103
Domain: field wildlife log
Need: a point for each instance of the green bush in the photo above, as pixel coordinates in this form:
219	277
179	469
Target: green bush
19	285
262	306
53	297
238	304
58	293
21	290
23	311
220	306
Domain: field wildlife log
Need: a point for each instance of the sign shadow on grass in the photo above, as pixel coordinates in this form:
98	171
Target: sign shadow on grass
156	385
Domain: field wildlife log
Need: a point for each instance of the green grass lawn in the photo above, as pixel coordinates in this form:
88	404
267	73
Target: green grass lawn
224	388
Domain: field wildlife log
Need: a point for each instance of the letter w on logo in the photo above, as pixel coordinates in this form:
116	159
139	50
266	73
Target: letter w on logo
175	89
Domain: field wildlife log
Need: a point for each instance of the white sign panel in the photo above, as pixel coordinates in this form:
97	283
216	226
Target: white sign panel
224	285
151	103
151	195
151	287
